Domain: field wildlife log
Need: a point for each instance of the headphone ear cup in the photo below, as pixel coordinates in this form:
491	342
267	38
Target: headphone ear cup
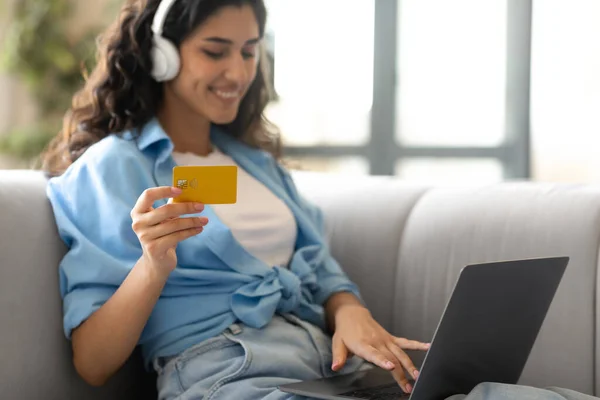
165	59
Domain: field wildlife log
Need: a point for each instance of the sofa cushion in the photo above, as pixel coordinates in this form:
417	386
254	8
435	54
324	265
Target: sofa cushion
365	218
36	358
451	228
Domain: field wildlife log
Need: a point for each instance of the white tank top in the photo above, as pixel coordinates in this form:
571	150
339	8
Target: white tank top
260	220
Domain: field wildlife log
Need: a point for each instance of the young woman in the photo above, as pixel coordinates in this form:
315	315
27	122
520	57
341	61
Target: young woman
225	301
232	307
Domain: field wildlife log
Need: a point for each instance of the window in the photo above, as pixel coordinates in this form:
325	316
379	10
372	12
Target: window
323	71
412	88
452	72
566	90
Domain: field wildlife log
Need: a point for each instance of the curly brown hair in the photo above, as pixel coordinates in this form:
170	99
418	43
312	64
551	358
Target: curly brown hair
121	95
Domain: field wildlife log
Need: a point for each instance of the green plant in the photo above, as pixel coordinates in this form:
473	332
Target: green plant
39	50
26	143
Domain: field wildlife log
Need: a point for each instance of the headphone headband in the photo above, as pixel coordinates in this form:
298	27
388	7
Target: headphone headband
165	55
161	16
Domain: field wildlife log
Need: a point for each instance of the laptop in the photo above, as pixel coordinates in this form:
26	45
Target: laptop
486	334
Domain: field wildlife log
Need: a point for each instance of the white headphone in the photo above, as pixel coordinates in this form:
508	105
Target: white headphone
165	55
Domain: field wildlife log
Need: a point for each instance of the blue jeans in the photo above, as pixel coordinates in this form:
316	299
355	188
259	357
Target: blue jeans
248	364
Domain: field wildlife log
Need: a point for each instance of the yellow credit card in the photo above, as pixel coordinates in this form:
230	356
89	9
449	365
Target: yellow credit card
206	184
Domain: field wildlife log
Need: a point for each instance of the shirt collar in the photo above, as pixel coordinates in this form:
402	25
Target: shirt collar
154	138
152	134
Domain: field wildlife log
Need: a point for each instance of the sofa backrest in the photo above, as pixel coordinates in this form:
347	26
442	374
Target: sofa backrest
451	228
432	234
365	221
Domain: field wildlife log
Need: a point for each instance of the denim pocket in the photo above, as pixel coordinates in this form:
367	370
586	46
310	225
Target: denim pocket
203	367
320	340
239	367
215	343
323	344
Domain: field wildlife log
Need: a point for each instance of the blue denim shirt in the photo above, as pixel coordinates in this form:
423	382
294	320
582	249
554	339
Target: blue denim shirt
216	282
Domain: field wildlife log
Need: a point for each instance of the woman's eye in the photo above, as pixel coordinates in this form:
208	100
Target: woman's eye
248	54
215	55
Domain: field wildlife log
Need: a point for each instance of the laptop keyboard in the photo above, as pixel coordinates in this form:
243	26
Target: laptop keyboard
386	392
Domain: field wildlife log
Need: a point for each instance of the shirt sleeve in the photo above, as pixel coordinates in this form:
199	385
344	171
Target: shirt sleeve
92	202
331	278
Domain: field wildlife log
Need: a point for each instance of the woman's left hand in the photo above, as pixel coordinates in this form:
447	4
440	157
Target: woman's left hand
356	332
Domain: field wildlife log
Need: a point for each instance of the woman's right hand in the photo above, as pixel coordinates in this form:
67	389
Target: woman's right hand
161	229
